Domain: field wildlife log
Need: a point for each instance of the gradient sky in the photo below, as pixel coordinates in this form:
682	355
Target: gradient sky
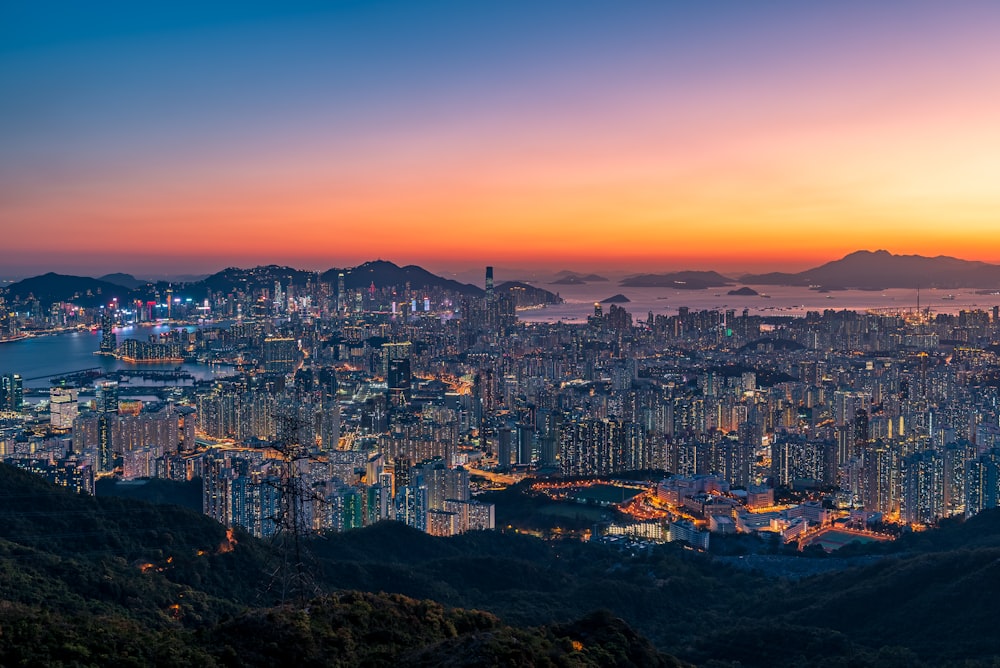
171	137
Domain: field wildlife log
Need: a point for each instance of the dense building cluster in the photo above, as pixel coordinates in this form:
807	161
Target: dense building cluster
348	406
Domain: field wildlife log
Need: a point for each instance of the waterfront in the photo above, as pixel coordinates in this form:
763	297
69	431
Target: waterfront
40	358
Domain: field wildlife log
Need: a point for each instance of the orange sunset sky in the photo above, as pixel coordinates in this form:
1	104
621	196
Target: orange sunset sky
583	135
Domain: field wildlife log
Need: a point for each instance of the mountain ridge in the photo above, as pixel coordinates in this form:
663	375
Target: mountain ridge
52	287
863	269
880	269
154	583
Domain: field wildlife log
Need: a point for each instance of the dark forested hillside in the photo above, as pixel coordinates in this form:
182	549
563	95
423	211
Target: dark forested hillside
109	581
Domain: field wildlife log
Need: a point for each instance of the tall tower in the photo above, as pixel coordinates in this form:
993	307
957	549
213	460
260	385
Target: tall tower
504	448
341	301
279	298
11	392
107	418
108	341
489	284
107	397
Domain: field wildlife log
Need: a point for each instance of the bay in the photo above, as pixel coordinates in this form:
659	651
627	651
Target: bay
773	300
40	358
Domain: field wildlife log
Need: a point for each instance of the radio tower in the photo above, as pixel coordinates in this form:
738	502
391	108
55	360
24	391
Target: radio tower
292	578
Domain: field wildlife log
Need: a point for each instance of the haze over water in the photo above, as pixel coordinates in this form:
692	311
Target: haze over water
780	300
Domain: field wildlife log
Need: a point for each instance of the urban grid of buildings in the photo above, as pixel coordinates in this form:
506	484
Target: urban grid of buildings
392	403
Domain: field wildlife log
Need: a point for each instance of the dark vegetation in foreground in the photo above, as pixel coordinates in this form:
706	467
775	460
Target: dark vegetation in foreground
110	581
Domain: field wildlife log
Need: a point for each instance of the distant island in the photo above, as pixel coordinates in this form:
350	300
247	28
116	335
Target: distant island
527	295
861	270
573	278
679	280
880	270
616	299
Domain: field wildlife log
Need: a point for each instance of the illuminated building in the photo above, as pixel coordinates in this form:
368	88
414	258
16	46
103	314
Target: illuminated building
411	505
443	523
399	382
146	352
922	488
11	392
108	341
472	515
596	447
69	473
107	417
280	355
443	484
982	482
687	532
63	407
760	496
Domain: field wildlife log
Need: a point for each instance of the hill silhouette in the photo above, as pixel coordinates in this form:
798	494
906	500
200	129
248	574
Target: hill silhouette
524	294
116	582
382	274
678	280
876	270
125	280
567	277
108	581
53	287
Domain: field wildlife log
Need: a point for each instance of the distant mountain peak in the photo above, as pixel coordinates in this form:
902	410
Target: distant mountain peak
880	269
125	280
383	273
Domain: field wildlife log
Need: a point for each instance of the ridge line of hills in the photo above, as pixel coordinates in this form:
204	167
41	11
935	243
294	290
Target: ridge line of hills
109	581
52	287
865	270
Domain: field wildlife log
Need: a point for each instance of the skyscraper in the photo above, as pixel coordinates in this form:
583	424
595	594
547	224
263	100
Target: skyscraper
341	297
62	407
280	355
11	392
108	341
399	381
107	409
107	397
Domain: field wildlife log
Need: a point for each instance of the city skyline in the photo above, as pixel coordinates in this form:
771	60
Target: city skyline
186	139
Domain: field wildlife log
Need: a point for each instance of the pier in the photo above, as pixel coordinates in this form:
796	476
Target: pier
96	371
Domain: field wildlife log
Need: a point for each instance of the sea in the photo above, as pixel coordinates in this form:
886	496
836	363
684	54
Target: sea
38	359
772	300
41	358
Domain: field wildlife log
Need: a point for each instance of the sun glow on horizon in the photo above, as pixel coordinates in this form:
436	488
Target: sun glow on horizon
651	148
